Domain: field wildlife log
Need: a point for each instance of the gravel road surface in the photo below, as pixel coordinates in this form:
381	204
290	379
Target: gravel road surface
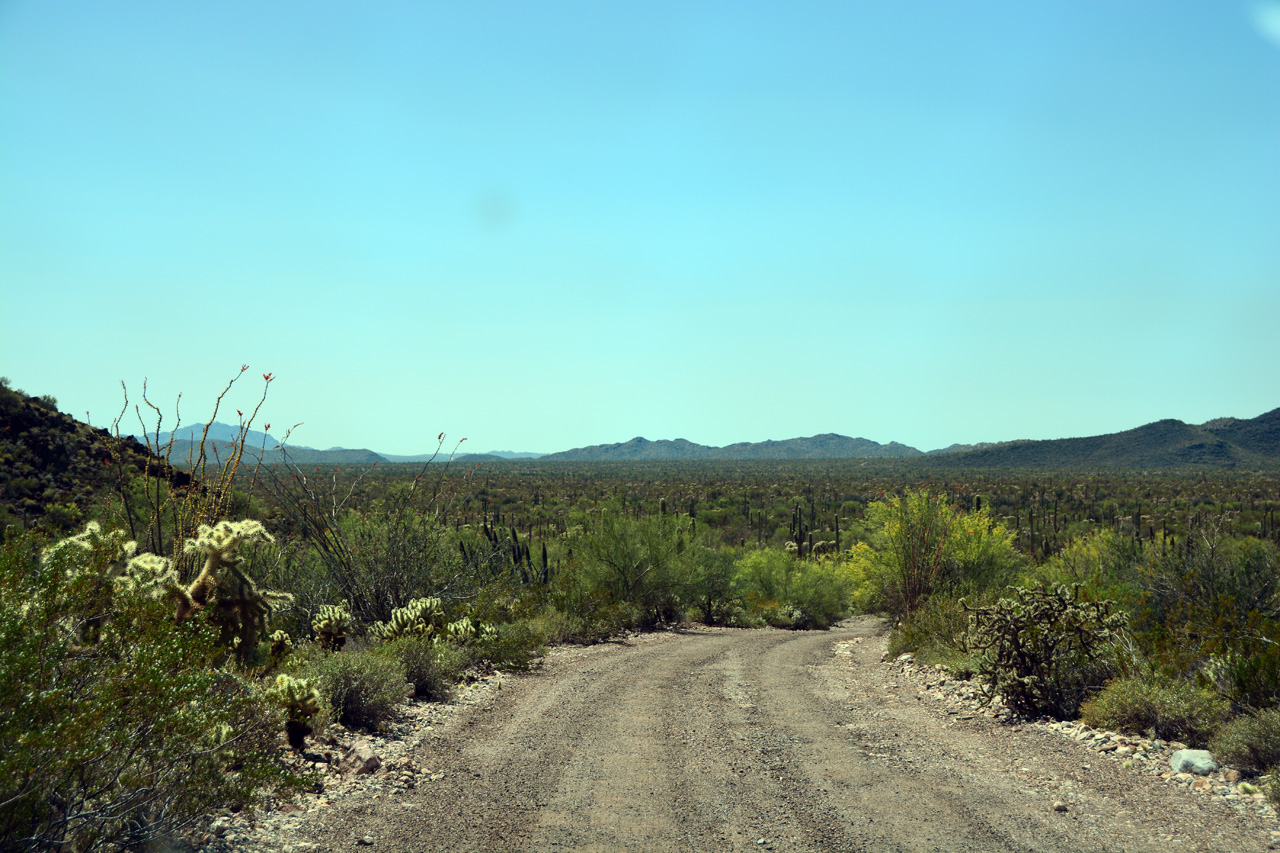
759	740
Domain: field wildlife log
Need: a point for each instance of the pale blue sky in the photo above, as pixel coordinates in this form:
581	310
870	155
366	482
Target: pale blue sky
545	225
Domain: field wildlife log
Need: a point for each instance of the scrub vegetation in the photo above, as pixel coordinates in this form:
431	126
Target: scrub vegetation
186	624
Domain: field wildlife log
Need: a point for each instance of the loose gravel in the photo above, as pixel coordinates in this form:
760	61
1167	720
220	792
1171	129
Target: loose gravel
724	739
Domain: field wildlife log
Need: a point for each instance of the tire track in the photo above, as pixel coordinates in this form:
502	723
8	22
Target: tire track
748	740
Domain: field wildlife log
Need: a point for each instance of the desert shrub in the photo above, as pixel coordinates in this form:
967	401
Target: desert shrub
787	592
1248	673
820	591
124	737
1208	575
431	667
1159	706
1212	604
363	687
865	571
1105	562
1250	743
387	552
510	647
924	544
710	582
1044	650
935	633
637	563
764	575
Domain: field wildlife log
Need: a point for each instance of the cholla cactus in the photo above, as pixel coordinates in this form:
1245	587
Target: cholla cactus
281	643
219	739
419	618
301	701
331	625
241	610
219	545
465	631
151	576
93	540
119	570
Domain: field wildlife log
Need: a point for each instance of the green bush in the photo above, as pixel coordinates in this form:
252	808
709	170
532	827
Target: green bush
1159	706
510	647
764	575
1250	743
637	563
710	582
923	544
431	667
125	737
787	592
1104	561
1044	650
821	592
363	687
935	633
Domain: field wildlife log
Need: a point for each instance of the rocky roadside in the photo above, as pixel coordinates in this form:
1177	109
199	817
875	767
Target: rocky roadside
371	768
1145	756
349	765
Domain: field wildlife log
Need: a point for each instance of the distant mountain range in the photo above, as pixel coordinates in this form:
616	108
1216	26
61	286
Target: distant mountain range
1220	443
825	446
186	440
1224	443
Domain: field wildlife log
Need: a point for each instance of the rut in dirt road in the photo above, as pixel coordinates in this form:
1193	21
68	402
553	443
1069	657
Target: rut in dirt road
736	740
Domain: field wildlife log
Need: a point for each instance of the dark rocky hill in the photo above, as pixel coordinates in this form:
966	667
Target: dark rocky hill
54	470
1225	444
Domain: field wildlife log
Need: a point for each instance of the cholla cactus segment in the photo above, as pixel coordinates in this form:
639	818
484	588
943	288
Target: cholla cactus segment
332	623
99	559
92	540
225	537
219	544
299	698
301	701
281	643
151	576
242	610
220	740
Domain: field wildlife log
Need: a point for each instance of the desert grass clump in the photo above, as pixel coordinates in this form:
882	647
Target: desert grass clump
432	667
1158	706
1250	743
363	688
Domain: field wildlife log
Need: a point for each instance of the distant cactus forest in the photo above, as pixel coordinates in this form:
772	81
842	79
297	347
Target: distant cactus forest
175	631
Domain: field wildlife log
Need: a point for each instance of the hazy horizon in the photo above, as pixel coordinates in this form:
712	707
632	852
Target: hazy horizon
550	226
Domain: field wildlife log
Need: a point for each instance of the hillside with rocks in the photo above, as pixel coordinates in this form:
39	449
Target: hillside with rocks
55	469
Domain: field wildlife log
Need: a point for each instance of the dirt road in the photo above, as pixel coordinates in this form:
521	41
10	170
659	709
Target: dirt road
750	740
